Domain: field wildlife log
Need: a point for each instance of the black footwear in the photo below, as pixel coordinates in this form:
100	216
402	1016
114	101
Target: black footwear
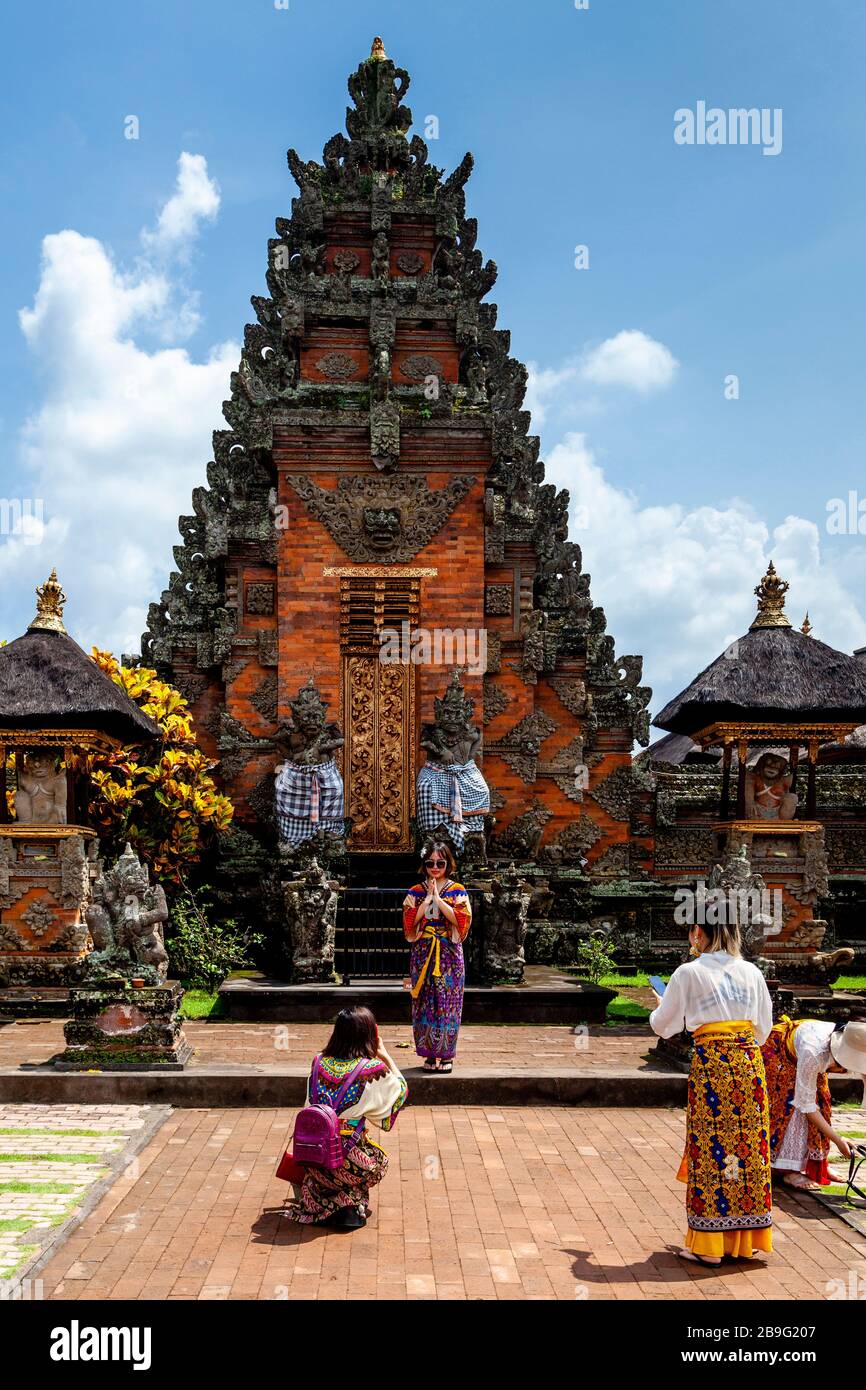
349	1219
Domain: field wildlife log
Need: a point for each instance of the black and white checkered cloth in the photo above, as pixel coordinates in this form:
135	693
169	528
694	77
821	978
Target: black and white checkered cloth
461	789
308	799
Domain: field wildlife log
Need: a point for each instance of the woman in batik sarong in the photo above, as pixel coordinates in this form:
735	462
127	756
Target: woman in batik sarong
436	919
340	1197
797	1058
724	1002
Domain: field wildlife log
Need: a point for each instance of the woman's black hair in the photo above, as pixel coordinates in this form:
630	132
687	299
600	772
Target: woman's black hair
355	1034
447	853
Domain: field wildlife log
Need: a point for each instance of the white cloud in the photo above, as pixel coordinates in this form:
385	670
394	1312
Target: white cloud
677	585
123	433
195	199
631	359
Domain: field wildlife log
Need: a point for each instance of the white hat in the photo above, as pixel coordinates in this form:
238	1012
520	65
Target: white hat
848	1047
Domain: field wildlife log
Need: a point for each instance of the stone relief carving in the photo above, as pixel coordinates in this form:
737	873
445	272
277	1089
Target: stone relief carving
376	518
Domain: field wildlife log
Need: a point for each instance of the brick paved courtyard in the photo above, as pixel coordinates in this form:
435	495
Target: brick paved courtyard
491	1204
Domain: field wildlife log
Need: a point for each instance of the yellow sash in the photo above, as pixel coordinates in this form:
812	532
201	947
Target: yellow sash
724	1029
436	939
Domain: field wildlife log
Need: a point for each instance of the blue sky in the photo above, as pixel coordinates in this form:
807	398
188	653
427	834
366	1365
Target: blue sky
724	259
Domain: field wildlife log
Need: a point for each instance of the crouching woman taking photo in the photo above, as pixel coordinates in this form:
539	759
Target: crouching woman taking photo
355	1078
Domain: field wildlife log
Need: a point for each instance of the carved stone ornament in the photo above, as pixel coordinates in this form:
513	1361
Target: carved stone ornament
338	366
265	699
260	599
376	518
346	262
573	841
410	263
419	366
40	917
520	746
498	600
520	840
496	699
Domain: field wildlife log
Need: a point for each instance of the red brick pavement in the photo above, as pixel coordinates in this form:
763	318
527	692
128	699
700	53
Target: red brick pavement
478	1204
292	1045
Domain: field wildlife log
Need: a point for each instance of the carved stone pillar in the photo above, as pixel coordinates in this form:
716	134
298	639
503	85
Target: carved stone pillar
506	909
45	888
310	916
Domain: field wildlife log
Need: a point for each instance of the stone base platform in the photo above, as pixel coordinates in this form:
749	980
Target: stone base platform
556	999
266	1066
38	1002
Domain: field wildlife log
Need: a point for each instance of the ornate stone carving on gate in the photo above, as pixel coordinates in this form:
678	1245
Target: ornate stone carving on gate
379	518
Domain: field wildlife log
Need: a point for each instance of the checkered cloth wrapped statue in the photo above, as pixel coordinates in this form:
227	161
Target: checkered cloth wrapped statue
309	788
451	790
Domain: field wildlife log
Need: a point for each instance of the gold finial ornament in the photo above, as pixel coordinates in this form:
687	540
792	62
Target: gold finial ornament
378	49
50	599
806	629
771	601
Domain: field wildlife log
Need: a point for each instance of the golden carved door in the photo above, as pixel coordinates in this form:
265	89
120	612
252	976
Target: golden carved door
378	711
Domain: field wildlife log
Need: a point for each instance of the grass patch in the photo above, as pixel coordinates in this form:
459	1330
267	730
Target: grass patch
622	1010
640	980
838	1189
202	1003
847	1105
850	982
53	1158
26	1252
62	1189
57	1133
16	1223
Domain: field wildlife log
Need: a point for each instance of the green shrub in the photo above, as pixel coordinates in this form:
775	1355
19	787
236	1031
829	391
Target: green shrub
595	958
202	950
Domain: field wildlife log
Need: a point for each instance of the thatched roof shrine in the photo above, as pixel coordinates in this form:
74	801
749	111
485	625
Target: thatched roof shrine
49	684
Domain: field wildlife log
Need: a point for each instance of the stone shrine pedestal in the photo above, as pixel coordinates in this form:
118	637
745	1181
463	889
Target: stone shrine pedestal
116	1025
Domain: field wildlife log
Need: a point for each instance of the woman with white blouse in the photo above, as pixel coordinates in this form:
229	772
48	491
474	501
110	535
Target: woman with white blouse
724	1002
797	1058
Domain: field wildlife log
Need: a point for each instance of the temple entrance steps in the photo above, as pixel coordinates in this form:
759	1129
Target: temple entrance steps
370	943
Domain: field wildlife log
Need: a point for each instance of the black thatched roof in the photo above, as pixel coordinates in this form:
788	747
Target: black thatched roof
771	674
48	682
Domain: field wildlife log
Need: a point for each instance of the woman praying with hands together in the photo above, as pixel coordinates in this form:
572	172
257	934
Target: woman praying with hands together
436	919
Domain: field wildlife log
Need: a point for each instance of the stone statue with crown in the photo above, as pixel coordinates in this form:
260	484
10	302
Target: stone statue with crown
309	787
125	918
452	797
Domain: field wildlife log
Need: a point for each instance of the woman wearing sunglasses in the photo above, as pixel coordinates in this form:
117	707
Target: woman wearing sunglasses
436	919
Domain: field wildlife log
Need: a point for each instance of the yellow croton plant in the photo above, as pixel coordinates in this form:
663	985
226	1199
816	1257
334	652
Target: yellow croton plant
161	798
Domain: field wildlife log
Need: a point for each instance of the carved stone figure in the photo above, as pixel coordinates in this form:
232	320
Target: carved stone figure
309	788
311	919
506	907
125	918
41	795
380	257
451	789
743	894
768	789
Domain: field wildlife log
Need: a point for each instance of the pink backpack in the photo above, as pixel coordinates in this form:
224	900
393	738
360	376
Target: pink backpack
317	1127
